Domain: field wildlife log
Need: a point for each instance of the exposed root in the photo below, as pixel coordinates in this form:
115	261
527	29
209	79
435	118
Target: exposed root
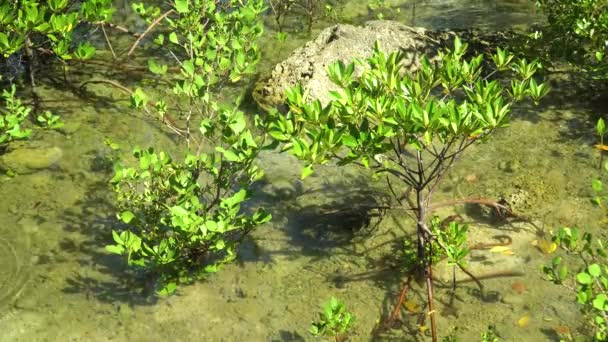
397	309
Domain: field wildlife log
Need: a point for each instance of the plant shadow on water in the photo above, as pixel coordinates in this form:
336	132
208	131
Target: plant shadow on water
102	276
111	281
575	103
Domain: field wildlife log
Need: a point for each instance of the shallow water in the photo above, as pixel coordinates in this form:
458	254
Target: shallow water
58	284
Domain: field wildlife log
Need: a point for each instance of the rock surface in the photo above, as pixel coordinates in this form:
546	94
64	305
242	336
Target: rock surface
29	160
307	64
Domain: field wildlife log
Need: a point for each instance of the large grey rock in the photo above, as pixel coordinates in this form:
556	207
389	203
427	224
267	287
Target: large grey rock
29	160
307	64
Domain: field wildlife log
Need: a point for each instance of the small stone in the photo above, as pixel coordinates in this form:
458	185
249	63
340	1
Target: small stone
30	160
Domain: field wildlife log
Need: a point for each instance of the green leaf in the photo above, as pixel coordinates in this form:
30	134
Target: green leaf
600	302
173	38
584	278
155	68
599	55
596	185
181	6
307	171
229	155
600	127
115	249
168	289
594	270
127	216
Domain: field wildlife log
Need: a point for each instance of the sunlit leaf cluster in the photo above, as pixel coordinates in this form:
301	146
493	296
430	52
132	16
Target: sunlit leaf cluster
590	277
49	25
384	111
12	116
184	219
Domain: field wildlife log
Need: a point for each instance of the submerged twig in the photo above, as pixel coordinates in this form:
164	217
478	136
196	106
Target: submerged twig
105	35
397	309
152	25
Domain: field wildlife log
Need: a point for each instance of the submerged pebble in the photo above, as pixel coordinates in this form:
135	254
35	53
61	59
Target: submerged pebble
30	160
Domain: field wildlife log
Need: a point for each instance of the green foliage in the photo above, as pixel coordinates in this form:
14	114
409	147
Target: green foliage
12	117
48	25
576	31
334	321
183	219
377	115
490	335
453	240
219	41
50	120
410	127
589	281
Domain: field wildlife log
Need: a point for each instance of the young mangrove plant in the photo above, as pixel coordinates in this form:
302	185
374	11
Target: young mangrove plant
411	128
12	116
589	281
282	8
576	31
45	28
184	218
334	321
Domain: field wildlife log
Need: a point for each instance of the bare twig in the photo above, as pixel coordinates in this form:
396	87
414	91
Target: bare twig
397	309
105	35
166	119
152	25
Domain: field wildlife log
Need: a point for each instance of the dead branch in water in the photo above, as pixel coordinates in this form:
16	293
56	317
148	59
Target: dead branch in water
152	25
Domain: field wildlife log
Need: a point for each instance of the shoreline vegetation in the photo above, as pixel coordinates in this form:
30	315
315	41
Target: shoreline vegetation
165	159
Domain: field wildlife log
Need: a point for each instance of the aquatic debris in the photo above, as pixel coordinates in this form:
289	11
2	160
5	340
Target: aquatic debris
518	287
561	330
502	250
545	246
524	321
601	147
411	307
471	178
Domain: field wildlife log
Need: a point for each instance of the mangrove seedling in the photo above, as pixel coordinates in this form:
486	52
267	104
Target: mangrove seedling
409	128
37	28
184	218
50	120
589	281
334	321
12	116
282	8
490	335
575	32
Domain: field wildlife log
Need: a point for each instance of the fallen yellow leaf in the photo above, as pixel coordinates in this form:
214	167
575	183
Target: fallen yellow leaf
523	321
411	306
601	147
546	246
499	249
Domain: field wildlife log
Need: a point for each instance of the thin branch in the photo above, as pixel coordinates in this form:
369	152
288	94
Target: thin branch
166	119
105	35
116	27
154	23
